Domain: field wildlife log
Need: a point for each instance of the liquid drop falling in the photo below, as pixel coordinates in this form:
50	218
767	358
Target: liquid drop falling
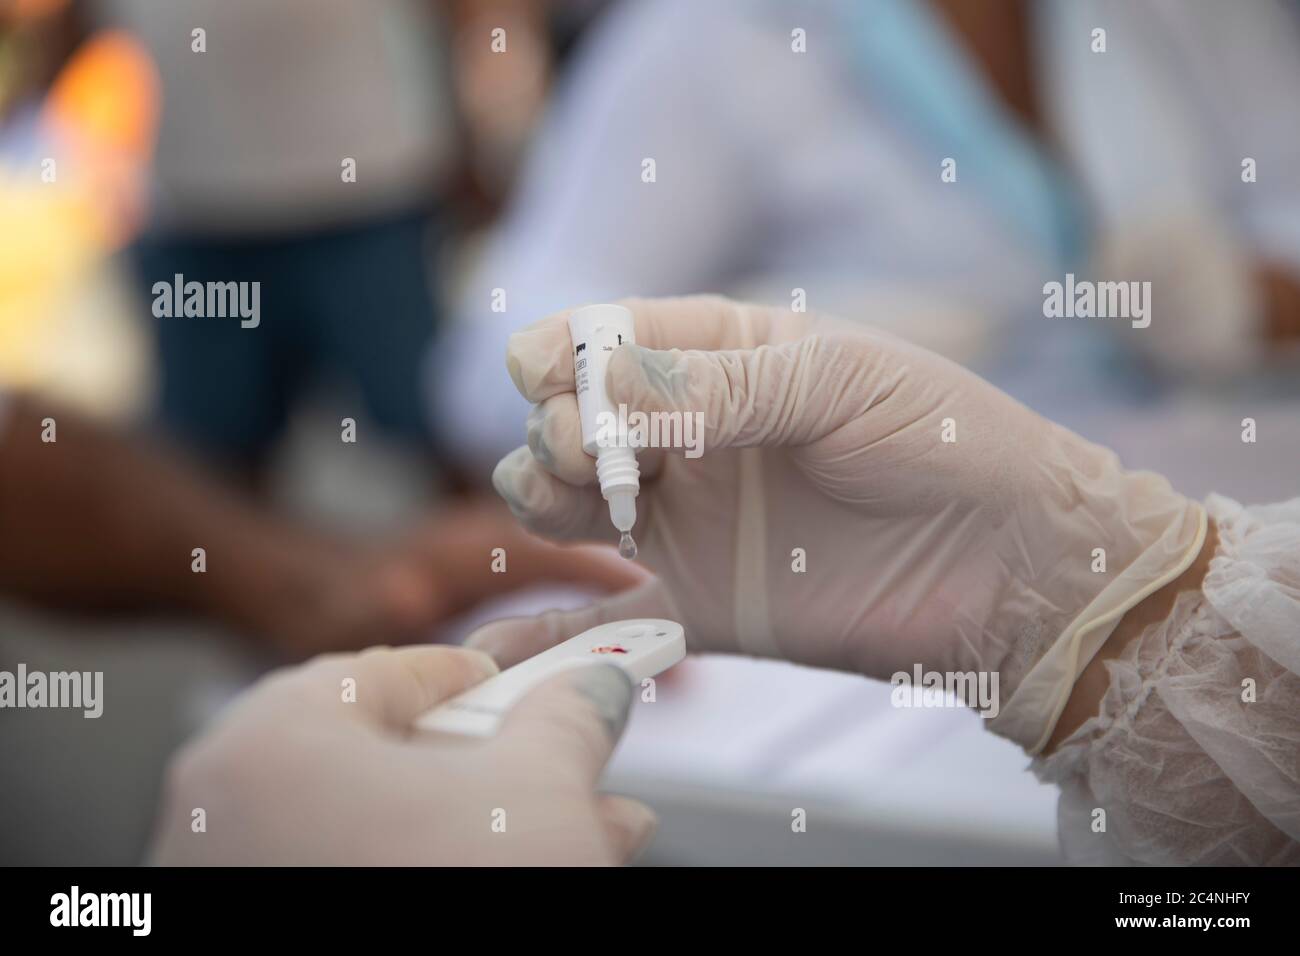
626	546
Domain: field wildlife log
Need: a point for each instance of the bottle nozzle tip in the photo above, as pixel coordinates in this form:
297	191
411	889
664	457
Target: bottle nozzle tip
622	509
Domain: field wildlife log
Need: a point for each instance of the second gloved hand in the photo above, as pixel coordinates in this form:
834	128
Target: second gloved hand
299	773
860	503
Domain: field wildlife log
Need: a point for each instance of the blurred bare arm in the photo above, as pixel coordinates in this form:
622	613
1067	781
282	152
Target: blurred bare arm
1280	287
95	519
98	520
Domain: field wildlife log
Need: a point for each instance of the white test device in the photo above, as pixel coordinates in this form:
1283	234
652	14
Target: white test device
640	647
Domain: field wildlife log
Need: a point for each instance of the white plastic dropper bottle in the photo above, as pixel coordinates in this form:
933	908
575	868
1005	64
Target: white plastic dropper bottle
596	331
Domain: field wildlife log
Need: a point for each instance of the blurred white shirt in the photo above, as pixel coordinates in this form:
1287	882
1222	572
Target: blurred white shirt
778	170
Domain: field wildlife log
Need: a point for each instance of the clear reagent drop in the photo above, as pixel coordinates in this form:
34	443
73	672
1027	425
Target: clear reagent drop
626	546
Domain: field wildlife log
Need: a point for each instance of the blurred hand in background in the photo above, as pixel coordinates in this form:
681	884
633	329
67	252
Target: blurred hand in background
94	520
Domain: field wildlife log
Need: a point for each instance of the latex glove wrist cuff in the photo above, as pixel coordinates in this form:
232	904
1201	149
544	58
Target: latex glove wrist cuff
1029	717
1208	698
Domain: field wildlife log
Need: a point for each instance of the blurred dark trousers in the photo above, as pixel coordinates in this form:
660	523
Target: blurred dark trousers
353	302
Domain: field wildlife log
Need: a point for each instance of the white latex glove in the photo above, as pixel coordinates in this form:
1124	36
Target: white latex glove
971	555
292	774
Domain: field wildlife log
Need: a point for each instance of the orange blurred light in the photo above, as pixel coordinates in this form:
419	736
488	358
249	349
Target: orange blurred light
107	97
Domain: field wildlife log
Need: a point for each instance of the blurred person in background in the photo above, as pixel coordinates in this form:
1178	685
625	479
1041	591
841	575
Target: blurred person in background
303	145
95	519
804	148
103	526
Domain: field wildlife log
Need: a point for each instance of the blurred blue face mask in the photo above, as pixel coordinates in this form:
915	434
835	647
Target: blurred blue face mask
918	73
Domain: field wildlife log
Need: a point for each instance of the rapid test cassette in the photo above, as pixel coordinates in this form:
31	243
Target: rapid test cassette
641	648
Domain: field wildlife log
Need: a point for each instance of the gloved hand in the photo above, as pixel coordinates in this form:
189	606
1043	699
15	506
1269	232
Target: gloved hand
828	442
293	774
